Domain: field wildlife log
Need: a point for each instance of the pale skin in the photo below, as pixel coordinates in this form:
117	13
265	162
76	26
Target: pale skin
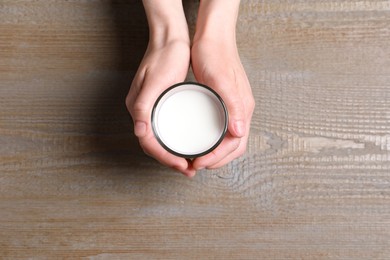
215	62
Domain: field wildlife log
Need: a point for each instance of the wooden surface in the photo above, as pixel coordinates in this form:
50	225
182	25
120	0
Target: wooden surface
315	183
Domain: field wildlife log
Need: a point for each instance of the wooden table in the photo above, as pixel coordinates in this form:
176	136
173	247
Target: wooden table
314	183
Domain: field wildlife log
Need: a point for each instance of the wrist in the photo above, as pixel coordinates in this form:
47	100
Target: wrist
166	21
217	20
164	35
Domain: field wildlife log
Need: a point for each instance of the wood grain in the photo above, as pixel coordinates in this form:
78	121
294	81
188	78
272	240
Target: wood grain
314	184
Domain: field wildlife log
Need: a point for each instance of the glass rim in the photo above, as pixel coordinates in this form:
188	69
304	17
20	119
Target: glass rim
154	127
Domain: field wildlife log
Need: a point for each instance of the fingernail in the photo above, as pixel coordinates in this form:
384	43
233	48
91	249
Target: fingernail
239	127
140	128
191	174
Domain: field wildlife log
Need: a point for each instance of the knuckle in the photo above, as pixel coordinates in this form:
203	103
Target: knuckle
146	150
238	153
241	152
242	149
251	106
252	103
128	102
138	107
236	107
236	144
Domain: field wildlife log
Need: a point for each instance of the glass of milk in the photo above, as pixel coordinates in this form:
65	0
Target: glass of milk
189	119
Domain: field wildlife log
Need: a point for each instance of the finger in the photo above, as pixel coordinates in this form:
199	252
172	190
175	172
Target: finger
237	122
228	145
228	90
138	110
189	172
135	87
232	156
151	147
142	106
236	153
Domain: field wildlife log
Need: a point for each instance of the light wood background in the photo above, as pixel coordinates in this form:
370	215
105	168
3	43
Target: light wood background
314	184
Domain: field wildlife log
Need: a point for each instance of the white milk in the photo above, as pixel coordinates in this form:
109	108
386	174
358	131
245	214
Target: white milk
189	119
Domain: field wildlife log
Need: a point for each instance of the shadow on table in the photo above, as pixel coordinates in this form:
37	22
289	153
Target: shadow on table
113	142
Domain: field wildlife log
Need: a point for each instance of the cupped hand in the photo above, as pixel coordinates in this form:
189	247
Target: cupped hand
216	63
162	66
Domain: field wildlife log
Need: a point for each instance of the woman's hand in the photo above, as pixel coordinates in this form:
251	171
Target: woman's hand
216	63
165	63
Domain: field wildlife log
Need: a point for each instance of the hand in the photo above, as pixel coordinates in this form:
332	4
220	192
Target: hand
165	63
216	63
160	68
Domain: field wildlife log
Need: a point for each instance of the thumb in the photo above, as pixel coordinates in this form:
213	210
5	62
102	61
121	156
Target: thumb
140	109
235	107
140	112
142	105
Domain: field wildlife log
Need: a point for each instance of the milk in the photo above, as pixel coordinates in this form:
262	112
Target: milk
189	119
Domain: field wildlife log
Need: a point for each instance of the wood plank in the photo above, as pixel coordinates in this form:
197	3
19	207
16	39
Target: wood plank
314	183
